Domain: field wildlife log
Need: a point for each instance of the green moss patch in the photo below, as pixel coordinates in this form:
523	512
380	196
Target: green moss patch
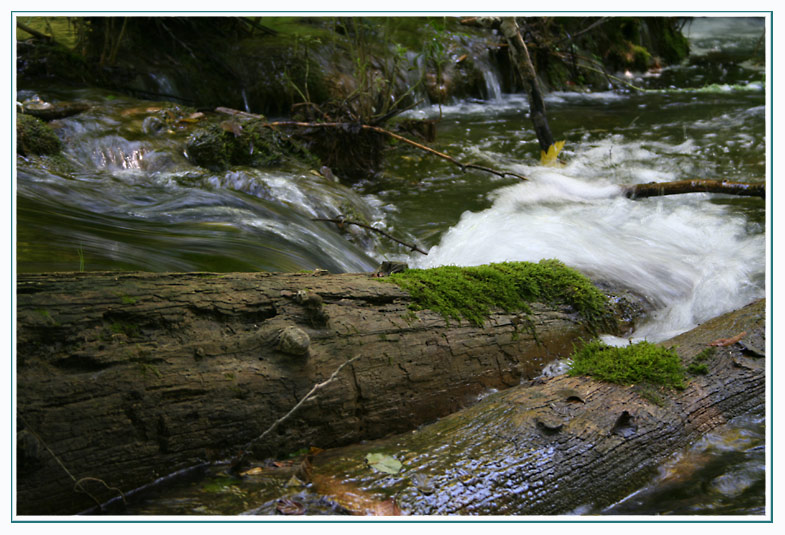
34	136
471	292
698	364
641	363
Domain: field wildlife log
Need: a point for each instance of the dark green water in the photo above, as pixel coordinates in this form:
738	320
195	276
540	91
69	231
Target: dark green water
128	199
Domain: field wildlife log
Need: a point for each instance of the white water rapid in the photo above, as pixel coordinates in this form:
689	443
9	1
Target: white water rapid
692	258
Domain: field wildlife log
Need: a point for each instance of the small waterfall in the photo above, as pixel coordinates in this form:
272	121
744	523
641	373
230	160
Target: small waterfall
164	85
245	101
493	88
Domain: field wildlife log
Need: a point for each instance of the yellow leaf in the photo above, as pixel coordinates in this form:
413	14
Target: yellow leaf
553	153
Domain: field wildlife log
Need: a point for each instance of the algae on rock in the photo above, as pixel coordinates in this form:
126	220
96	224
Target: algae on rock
35	137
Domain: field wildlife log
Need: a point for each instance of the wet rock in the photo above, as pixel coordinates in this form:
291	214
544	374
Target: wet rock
220	146
49	111
33	136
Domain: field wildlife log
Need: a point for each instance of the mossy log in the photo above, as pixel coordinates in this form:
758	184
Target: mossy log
125	377
556	446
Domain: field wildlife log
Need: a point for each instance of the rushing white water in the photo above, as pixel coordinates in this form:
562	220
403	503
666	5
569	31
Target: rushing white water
693	259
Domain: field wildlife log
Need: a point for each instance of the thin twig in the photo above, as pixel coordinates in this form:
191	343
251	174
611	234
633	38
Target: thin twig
343	221
307	396
602	71
77	483
78	486
587	29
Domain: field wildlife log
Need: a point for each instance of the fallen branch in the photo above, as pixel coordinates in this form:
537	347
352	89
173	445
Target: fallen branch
522	59
342	221
654	189
380	130
35	33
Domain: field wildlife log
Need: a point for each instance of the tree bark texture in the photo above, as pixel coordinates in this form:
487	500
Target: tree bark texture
125	377
559	445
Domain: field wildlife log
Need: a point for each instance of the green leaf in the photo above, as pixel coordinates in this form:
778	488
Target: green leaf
383	463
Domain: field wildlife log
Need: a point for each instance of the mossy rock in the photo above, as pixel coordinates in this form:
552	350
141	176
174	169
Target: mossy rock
220	146
35	137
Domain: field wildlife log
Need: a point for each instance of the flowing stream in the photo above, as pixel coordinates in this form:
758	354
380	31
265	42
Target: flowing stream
127	199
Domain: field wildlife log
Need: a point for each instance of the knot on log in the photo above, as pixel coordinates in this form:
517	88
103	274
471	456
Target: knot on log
625	425
314	308
294	341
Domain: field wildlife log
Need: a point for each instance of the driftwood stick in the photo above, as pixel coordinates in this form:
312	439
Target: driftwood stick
35	33
393	135
654	189
342	221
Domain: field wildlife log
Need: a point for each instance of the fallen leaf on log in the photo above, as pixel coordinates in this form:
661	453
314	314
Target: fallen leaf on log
255	471
724	342
383	463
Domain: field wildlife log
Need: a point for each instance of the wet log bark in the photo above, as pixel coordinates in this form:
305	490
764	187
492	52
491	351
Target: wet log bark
655	189
125	377
562	445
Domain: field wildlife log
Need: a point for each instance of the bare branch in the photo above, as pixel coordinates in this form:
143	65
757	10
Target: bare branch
654	189
342	221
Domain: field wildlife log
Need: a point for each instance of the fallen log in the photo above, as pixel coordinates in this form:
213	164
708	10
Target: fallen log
655	189
125	377
556	446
